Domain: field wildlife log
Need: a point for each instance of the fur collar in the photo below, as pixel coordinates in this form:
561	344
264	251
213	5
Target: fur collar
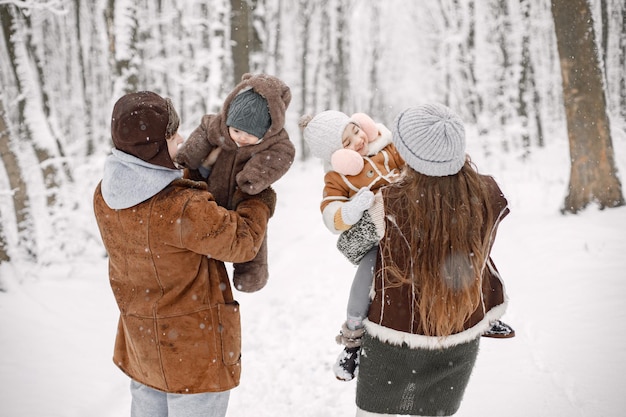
418	341
381	141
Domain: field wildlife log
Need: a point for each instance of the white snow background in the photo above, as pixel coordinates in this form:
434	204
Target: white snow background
565	276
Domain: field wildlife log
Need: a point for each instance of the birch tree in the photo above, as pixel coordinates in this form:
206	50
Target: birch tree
22	135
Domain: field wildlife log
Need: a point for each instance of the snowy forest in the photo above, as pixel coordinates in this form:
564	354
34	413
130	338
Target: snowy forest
524	74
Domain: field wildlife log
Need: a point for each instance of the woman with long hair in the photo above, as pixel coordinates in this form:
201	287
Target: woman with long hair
436	289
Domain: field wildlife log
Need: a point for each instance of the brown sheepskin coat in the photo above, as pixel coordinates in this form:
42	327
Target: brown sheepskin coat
401	326
179	327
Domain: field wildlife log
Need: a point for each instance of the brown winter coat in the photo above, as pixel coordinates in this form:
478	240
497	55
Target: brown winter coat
379	169
251	168
179	328
402	325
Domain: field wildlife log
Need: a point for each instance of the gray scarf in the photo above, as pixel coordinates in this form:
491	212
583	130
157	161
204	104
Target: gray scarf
128	180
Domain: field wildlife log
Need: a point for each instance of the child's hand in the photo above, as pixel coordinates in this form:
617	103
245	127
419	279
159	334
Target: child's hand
352	211
191	153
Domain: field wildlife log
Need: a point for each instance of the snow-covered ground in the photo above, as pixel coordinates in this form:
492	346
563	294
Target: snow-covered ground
565	277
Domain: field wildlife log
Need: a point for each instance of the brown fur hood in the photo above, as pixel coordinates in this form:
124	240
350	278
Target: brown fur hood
274	90
250	168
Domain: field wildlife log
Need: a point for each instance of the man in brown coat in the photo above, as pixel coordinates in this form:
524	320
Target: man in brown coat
167	239
250	150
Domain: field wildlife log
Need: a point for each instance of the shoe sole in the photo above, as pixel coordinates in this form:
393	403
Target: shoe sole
499	336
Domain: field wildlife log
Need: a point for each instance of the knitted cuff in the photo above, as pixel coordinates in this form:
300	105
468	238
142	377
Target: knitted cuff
349	338
339	223
377	213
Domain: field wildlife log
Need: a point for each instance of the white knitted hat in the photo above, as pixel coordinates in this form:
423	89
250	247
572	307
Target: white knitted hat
323	133
431	139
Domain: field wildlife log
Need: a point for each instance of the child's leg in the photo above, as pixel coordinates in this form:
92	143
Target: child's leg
358	306
252	276
359	300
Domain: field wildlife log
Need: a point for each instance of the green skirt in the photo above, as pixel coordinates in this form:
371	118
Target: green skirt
400	380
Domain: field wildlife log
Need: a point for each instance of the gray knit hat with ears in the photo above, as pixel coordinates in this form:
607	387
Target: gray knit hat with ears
431	139
323	133
249	112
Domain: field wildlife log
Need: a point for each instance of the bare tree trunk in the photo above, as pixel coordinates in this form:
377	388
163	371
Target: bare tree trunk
109	18
593	176
257	35
277	54
376	101
4	255
239	35
51	170
83	62
622	54
19	190
19	187
304	18
604	36
323	84
8	160
529	101
342	70
124	69
459	54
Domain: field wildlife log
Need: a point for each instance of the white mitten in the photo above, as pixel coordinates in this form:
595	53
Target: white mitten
352	211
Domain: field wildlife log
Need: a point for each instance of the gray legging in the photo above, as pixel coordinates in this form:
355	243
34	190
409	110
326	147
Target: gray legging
359	301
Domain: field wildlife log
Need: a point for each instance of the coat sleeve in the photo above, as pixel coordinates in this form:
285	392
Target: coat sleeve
197	146
266	167
225	235
336	193
395	155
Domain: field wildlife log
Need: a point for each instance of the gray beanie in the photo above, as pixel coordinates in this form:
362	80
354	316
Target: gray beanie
431	139
323	133
249	112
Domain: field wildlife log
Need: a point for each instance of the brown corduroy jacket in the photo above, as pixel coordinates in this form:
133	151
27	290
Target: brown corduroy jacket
179	329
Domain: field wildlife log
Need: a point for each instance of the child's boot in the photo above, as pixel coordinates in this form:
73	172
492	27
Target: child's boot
346	366
252	276
500	330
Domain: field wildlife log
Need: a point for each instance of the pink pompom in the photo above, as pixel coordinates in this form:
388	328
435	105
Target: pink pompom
366	124
346	162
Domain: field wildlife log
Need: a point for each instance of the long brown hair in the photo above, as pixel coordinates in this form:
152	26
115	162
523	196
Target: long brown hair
439	240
